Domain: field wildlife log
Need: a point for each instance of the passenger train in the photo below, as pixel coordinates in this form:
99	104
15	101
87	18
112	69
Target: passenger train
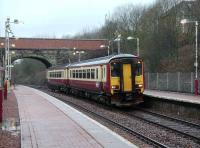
115	80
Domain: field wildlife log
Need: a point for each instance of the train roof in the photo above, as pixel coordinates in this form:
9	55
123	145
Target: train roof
58	67
95	61
101	60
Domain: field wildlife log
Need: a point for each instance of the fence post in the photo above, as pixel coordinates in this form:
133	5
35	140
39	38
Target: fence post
157	81
192	82
178	81
167	81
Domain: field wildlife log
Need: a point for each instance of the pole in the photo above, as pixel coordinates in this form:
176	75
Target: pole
9	72
108	50
1	105
196	61
138	47
6	55
118	45
79	56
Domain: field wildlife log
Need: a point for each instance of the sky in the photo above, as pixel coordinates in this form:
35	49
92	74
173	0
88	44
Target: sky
55	18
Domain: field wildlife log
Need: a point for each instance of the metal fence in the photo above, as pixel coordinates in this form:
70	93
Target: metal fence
178	82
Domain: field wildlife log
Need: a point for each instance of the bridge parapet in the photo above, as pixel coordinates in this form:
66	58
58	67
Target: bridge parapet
54	51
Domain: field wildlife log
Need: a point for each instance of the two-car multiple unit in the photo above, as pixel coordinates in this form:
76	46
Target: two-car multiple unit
115	79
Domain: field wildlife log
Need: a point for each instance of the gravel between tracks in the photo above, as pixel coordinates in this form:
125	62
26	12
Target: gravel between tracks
167	137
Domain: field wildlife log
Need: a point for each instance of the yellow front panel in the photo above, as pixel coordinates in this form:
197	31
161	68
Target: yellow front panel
127	78
115	81
139	80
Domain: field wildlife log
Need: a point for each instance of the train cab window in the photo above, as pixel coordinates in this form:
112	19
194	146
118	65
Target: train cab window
88	73
84	74
97	73
115	69
92	73
138	68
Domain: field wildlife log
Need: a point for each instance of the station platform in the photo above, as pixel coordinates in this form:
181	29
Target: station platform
174	96
49	123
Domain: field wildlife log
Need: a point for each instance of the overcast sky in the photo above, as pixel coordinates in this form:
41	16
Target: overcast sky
58	17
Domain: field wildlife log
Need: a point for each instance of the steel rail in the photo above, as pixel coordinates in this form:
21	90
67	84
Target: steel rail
137	134
166	127
170	118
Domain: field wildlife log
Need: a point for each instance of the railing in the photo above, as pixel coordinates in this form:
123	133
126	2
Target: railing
178	82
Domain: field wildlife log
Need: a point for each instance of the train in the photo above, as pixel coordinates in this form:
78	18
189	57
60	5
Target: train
114	80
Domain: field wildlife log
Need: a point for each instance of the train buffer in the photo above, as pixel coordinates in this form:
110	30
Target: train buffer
48	122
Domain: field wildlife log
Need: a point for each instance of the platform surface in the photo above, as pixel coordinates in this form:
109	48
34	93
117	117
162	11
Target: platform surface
181	97
49	123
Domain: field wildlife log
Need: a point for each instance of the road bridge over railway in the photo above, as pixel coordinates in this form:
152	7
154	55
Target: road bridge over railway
53	51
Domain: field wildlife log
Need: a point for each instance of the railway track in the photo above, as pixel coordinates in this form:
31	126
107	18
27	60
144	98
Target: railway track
185	128
127	129
170	118
150	118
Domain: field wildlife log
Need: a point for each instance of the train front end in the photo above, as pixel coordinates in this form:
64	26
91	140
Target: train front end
126	81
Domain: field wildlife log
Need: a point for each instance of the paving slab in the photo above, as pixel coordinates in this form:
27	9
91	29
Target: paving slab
49	123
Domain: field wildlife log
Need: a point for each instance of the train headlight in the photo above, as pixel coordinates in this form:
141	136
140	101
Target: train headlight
115	87
140	85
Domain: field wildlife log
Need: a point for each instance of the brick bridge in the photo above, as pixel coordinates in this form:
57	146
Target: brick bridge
54	51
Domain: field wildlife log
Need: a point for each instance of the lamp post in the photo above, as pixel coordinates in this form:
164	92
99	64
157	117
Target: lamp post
7	60
2	55
8	31
184	21
138	43
79	54
106	46
118	39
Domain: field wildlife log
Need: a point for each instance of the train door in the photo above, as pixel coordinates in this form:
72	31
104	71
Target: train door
127	78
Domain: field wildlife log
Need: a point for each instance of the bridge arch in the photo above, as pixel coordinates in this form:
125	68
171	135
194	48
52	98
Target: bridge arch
41	59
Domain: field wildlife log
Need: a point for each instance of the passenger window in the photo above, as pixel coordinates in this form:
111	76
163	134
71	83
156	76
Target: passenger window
88	73
115	69
56	74
73	73
92	73
80	74
76	73
84	74
97	73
